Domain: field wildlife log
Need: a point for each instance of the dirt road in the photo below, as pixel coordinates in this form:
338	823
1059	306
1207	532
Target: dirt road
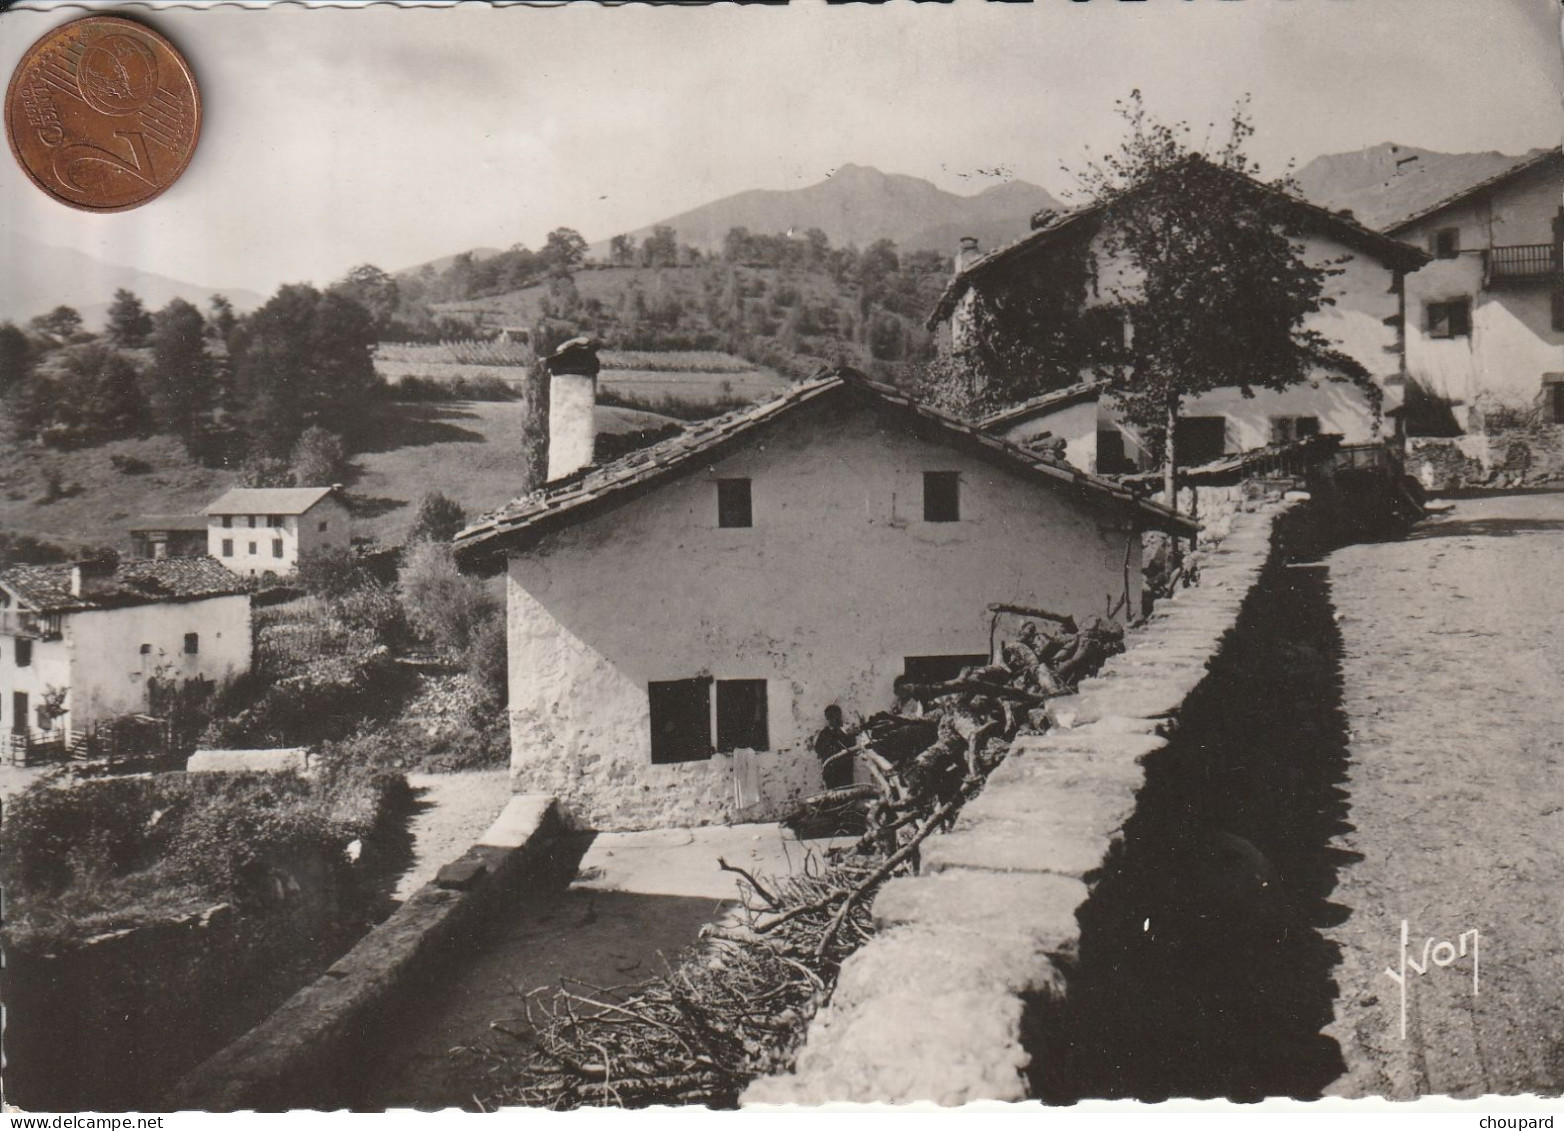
1454	691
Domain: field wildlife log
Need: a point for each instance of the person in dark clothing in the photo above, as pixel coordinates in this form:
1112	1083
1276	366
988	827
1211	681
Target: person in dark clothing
833	746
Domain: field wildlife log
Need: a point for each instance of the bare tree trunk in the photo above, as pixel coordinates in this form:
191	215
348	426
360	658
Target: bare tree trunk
1170	457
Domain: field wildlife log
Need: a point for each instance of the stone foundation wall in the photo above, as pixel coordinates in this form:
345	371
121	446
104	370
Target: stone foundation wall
1514	457
932	1008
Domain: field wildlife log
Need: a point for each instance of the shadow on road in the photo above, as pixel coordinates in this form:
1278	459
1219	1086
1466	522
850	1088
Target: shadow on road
1483	528
1201	970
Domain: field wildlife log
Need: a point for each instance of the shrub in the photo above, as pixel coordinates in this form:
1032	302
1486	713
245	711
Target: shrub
438	519
319	458
444	606
332	573
129	465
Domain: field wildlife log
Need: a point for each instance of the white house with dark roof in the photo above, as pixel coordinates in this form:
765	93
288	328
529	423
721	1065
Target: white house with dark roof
1364	321
257	531
679	619
1485	318
98	631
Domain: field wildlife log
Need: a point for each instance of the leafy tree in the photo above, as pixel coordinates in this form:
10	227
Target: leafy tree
264	471
1215	288
17	355
222	320
374	290
661	248
438	519
303	359
564	250
180	378
621	250
60	327
319	458
445	606
129	322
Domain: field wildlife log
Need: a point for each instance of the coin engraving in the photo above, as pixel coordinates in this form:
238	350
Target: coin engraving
103	114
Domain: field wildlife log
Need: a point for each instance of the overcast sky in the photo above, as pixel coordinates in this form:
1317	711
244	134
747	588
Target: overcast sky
334	137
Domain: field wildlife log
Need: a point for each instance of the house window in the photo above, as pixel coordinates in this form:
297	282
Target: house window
1111	456
1554	401
19	710
733	503
939	669
277	548
192	643
274	520
253	550
228	522
681	720
1447	243
1558	308
323	525
741	715
1286	429
941	496
252	521
1451	319
1200	439
24	652
228	547
146	649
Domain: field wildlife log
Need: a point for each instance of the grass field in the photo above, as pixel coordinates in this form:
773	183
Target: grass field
470	450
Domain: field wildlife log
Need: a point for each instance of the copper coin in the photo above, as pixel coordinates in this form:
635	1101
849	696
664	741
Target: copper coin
103	114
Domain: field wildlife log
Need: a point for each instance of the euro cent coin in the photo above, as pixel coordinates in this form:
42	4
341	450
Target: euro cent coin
103	114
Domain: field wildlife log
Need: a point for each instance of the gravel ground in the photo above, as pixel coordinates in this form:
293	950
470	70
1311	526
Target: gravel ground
1452	668
453	810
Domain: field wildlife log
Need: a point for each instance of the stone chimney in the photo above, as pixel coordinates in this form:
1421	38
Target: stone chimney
93	575
572	396
967	253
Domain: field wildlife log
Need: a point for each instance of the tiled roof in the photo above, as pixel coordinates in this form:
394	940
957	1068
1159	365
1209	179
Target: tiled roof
560	504
1390	251
47	589
1522	164
267	500
1048	402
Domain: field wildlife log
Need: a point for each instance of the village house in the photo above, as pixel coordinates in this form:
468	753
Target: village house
83	640
169	536
256	531
680	618
1485	326
1364	323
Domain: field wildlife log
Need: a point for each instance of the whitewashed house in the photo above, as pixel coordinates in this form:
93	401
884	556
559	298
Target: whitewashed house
1485	318
257	531
99	631
679	619
1364	323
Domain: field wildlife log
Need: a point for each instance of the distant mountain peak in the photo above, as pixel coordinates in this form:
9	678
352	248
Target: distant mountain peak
1386	183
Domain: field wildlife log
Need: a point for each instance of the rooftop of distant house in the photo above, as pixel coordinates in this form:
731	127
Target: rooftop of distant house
149	523
595	489
267	500
1052	227
48	588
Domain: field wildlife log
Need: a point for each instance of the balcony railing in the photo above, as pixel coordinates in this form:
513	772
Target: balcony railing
35	626
1523	263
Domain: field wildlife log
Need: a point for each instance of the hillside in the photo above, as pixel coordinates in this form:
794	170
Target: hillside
1386	183
858	205
470	451
43	277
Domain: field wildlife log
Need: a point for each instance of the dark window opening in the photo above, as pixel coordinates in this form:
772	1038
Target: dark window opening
252	547
1558	309
741	715
19	710
228	547
252	521
1447	243
941	496
277	548
1112	459
228	521
146	649
1286	429
1200	439
1450	319
323	526
733	503
24	652
939	669
1555	401
274	520
192	643
681	719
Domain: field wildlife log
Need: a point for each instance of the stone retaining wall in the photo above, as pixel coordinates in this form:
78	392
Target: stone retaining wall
932	1007
303	1055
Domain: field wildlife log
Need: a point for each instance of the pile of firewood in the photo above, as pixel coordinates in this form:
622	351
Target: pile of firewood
737	1007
